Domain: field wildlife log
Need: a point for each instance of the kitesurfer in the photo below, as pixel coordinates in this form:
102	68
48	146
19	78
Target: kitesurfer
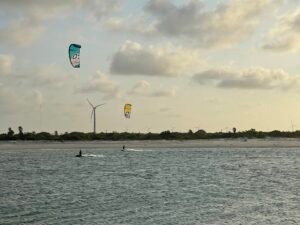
80	154
123	148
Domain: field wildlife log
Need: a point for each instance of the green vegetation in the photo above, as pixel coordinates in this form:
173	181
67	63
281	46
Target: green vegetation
165	135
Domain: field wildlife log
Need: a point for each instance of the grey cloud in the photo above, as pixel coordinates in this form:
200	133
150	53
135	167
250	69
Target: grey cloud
223	26
135	59
255	78
162	7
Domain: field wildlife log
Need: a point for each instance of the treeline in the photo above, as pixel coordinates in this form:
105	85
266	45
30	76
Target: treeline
165	135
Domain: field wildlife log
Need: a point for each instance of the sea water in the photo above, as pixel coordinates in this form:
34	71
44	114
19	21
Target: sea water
45	184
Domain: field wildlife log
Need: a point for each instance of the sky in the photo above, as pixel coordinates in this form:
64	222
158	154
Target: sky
184	64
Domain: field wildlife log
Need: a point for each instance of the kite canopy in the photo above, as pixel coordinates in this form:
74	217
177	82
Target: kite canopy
74	55
127	110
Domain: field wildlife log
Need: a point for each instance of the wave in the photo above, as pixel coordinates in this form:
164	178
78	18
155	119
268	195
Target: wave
136	150
92	155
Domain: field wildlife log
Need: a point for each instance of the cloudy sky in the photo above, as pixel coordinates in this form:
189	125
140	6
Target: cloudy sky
182	64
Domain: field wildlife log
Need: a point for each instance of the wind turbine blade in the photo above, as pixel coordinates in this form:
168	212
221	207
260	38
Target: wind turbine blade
99	105
92	114
90	103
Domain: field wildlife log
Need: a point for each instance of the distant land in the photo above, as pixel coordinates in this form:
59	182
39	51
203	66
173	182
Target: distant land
164	135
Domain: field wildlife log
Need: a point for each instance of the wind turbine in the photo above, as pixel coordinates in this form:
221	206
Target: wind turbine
292	125
94	113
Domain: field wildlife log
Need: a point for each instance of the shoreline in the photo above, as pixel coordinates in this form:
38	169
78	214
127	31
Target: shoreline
212	143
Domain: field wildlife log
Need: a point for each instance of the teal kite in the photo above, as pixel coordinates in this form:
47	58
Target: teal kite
74	55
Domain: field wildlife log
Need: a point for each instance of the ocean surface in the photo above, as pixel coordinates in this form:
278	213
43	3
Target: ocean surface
45	184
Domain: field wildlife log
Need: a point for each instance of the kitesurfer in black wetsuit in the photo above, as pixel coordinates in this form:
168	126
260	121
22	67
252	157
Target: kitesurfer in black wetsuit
123	148
80	154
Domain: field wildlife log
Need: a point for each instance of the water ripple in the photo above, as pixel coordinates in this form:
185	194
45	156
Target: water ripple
161	186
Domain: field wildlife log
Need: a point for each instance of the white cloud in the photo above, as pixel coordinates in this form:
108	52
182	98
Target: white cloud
143	89
38	97
47	75
43	9
9	100
22	32
42	76
26	20
131	25
165	109
135	59
103	84
100	8
254	78
6	64
164	93
285	36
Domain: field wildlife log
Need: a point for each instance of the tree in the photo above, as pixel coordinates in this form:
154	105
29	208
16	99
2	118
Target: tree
21	135
166	134
10	132
234	130
200	132
20	130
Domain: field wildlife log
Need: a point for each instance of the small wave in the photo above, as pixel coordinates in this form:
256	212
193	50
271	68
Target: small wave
92	155
136	150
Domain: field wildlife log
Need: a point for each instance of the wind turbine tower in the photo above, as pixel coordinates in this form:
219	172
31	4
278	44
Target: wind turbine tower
94	113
